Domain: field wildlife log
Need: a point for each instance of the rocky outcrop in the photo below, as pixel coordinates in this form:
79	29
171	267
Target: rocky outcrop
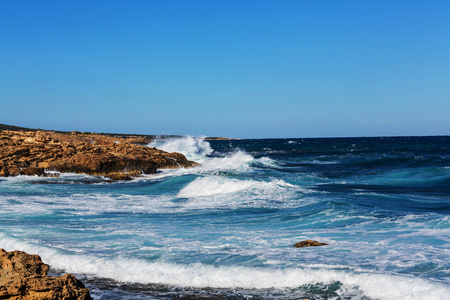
24	277
308	243
34	153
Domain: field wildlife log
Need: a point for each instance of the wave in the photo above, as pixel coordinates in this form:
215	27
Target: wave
212	185
219	192
378	286
428	176
205	192
194	148
207	186
199	150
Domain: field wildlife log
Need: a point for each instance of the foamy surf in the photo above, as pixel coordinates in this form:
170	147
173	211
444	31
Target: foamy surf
208	186
197	149
221	192
213	185
194	148
376	286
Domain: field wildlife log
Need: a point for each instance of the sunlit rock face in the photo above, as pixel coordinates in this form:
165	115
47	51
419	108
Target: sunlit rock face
24	276
34	153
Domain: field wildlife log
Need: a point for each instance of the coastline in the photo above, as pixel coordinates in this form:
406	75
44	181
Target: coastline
118	158
25	151
167	236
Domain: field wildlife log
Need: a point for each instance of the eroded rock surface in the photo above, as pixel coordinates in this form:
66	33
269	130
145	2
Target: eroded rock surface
24	277
33	153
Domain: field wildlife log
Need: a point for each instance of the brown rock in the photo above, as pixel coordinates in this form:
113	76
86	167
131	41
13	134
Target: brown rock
31	153
119	176
52	175
32	171
18	262
24	277
139	140
309	243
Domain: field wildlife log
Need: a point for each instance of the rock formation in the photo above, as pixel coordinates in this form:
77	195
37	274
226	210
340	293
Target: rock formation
24	277
308	243
34	153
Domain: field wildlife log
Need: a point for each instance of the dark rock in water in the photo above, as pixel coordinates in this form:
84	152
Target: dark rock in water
120	176
24	277
52	175
309	243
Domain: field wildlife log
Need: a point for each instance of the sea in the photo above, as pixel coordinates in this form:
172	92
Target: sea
226	229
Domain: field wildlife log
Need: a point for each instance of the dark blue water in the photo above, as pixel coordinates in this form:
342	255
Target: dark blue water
226	229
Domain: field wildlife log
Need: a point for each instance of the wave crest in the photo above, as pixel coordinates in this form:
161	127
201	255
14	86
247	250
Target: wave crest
213	185
194	148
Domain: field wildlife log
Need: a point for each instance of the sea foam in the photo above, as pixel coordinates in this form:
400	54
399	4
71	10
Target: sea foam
198	275
198	149
194	148
212	185
207	186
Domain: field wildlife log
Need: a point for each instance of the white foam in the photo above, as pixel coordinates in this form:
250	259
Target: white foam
377	286
85	204
210	191
212	185
218	191
197	149
194	148
267	162
238	161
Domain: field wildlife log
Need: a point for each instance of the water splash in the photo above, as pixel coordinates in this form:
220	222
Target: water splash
206	276
194	148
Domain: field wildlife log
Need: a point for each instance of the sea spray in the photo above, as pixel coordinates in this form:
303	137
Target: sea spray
198	149
194	148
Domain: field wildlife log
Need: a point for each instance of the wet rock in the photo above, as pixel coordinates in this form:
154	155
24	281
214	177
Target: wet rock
51	175
24	277
309	243
120	176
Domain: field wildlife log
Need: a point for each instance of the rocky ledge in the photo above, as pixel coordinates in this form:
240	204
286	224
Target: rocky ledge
24	276
36	153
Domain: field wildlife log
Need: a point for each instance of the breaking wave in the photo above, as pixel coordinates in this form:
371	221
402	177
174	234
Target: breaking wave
350	283
194	148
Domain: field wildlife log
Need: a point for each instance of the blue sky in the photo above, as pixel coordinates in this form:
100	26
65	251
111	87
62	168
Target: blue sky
246	69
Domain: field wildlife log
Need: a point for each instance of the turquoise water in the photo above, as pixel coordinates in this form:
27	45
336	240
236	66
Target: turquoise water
226	229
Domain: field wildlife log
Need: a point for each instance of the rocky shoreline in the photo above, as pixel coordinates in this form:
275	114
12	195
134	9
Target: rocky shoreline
47	153
24	276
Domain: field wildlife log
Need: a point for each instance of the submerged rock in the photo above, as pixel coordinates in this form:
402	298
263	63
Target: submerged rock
309	243
32	153
24	277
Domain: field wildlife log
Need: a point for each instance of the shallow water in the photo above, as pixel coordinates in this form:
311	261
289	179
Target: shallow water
226	229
